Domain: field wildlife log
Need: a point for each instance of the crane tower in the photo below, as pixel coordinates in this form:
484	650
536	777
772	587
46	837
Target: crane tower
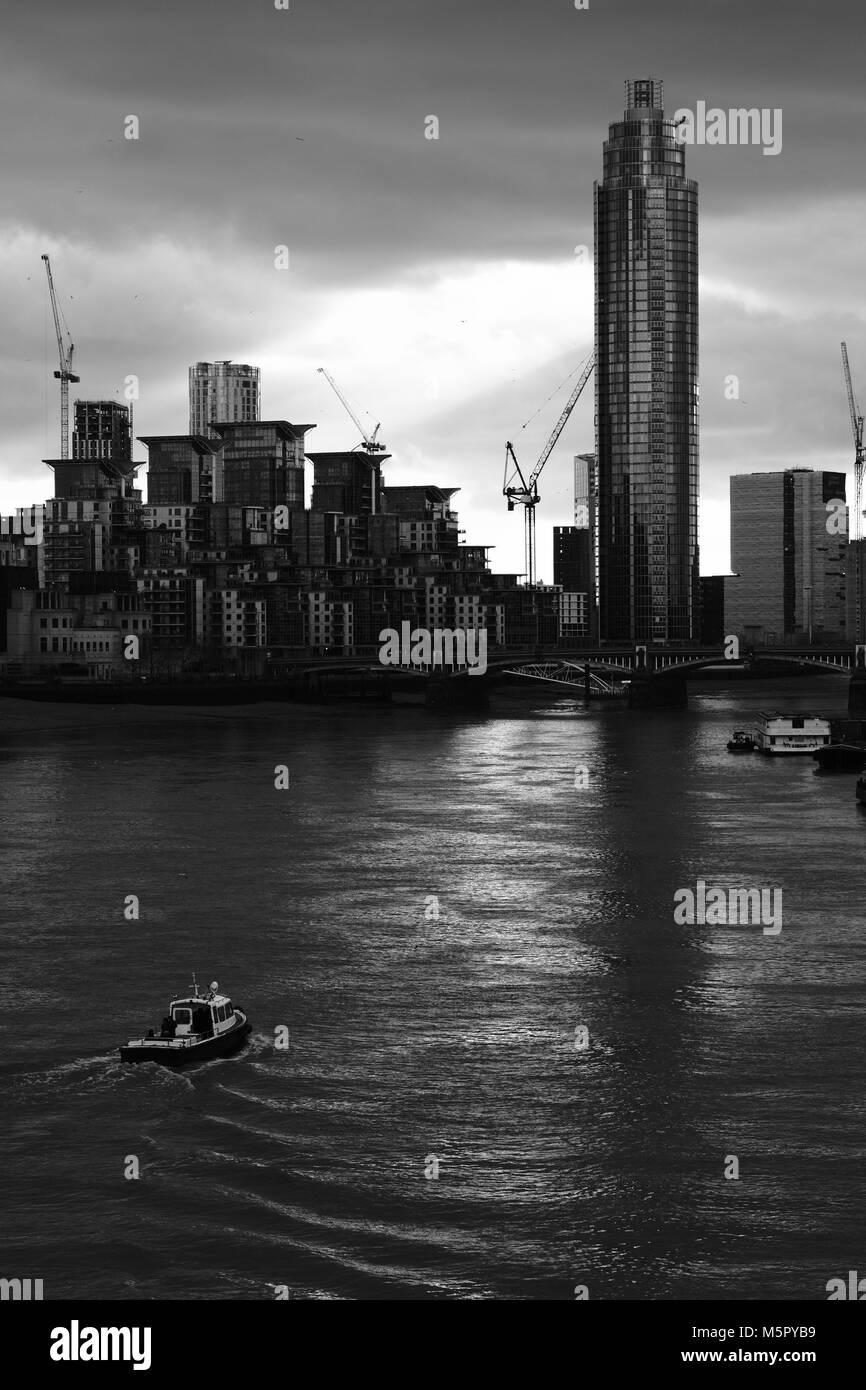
526	491
65	349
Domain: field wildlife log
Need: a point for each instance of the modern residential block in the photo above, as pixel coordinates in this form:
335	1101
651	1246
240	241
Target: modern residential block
789	546
222	391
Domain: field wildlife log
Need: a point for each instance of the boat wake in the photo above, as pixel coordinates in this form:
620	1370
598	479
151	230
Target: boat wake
89	1075
259	1045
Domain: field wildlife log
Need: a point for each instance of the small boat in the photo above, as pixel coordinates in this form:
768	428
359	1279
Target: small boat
741	742
840	757
197	1027
781	734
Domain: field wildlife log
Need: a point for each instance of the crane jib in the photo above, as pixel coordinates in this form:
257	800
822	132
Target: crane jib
528	493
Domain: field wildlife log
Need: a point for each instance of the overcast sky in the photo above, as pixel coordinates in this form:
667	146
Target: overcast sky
436	279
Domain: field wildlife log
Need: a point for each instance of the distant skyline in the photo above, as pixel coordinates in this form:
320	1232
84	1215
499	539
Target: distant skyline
436	279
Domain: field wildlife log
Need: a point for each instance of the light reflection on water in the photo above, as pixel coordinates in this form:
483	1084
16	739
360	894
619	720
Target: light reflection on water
449	1035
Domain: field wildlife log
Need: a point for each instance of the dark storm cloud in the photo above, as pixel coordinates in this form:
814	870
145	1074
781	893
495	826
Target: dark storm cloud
523	93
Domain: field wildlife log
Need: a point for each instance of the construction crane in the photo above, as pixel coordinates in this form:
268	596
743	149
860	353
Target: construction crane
527	491
368	443
66	374
857	428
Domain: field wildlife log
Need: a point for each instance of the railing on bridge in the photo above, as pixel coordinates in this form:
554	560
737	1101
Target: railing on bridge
648	661
562	666
567	673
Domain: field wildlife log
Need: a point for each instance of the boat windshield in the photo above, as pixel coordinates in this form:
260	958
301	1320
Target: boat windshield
182	1016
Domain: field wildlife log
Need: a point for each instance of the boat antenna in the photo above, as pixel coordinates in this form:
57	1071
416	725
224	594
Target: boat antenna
194	986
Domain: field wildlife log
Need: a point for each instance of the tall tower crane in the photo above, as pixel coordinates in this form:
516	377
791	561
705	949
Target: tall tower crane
527	491
368	442
65	350
857	429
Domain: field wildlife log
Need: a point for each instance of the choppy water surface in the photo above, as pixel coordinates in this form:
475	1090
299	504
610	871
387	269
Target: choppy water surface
414	1039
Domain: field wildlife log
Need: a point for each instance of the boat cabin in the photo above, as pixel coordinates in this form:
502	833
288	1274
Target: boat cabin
199	1015
791	733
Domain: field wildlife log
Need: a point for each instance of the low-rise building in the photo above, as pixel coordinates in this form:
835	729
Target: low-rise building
50	631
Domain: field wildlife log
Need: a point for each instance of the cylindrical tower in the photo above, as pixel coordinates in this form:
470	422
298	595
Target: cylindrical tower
646	377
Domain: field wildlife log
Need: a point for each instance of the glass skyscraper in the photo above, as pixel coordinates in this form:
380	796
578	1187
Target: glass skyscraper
646	377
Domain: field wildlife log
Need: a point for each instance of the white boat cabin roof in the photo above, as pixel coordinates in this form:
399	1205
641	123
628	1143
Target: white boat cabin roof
201	999
772	715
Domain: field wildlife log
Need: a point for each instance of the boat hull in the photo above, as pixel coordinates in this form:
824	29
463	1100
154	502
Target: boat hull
167	1053
790	752
838	757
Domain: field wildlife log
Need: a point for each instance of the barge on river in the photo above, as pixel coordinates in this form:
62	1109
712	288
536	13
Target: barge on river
777	734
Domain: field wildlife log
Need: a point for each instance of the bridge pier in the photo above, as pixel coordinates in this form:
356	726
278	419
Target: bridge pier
457	692
658	692
857	691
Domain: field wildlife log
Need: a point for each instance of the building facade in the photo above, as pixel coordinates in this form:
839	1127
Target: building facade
50	631
712	630
789	546
348	482
585	492
102	430
222	392
183	468
855	587
646	377
225	569
263	463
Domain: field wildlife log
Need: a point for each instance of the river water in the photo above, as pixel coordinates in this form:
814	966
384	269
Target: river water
435	1127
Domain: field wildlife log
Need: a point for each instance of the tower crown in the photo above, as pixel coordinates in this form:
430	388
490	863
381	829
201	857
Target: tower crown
642	96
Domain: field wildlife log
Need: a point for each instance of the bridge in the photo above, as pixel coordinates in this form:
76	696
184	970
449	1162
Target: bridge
656	676
617	659
645	675
655	661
